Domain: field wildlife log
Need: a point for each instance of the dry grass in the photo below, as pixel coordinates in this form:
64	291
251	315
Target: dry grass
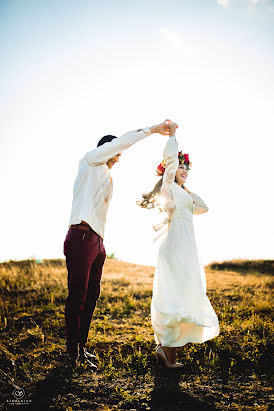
245	266
229	372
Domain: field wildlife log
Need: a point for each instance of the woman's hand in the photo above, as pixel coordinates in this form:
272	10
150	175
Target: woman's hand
172	129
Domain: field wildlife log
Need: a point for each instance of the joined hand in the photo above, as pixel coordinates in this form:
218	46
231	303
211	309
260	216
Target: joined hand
172	128
166	128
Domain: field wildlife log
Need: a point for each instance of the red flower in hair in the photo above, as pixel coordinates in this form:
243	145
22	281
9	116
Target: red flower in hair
183	159
160	169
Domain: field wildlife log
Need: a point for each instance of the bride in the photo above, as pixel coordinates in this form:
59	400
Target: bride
180	309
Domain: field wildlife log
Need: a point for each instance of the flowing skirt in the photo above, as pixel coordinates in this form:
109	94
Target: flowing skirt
180	309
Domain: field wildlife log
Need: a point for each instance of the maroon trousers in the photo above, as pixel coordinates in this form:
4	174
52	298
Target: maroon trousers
85	257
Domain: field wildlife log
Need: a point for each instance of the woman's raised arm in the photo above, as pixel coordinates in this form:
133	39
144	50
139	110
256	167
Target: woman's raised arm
172	162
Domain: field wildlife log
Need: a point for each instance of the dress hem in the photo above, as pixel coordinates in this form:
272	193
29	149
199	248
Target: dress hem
182	344
187	341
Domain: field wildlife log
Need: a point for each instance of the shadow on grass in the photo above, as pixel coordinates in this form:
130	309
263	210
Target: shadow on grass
58	382
167	393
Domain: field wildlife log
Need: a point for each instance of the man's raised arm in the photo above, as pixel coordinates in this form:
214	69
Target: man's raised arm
103	153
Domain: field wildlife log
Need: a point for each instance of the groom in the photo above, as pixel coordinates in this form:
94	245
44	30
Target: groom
83	247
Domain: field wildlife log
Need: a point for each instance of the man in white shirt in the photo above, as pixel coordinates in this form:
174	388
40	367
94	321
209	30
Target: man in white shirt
83	246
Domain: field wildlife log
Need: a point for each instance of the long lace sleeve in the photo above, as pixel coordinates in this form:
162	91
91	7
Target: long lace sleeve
172	162
199	207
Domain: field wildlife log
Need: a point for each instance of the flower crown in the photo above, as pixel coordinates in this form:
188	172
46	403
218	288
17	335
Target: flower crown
183	159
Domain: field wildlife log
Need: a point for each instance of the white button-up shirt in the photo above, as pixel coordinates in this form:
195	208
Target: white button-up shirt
92	188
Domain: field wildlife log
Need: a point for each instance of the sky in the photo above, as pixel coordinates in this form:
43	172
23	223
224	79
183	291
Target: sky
73	71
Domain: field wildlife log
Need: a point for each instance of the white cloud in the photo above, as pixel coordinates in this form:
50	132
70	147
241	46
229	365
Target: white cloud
174	39
171	38
267	4
270	8
224	3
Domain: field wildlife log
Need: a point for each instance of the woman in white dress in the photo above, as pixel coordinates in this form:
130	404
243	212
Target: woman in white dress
180	309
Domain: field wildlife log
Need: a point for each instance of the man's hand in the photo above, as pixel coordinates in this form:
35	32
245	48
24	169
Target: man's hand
172	128
161	128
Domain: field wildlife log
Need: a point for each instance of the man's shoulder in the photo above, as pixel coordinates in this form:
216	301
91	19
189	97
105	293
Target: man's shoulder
83	162
92	169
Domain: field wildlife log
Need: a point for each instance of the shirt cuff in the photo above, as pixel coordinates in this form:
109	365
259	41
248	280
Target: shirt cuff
147	131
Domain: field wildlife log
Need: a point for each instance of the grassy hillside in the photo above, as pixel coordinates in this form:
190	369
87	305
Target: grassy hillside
245	266
230	372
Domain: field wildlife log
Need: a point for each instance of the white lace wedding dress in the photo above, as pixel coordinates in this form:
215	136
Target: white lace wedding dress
180	309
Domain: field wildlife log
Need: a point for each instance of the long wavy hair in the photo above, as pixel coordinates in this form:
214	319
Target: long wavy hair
150	200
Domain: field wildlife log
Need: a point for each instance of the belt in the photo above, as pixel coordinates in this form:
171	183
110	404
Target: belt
81	227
